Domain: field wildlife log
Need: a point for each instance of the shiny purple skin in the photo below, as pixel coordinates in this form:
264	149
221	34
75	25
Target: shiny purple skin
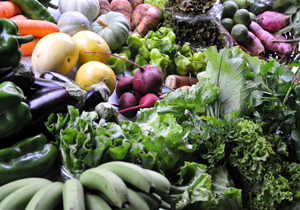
124	85
148	80
125	101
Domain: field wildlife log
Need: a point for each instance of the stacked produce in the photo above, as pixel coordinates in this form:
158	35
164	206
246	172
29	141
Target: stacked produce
261	34
112	185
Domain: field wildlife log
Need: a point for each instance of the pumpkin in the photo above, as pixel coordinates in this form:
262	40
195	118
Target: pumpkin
89	8
72	22
113	27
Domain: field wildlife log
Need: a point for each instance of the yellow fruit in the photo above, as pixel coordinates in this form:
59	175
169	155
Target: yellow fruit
88	41
92	73
55	52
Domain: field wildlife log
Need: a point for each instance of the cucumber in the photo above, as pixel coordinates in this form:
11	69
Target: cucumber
229	8
228	23
240	33
242	16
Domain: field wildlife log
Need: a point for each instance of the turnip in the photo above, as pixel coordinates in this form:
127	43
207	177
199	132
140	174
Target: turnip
128	100
146	101
124	85
147	79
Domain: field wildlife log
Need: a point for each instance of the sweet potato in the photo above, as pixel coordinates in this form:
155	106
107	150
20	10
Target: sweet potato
176	81
273	21
104	7
122	6
134	3
253	44
137	15
265	37
150	21
286	47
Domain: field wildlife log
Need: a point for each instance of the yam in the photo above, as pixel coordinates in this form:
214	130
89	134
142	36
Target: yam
253	44
104	7
273	21
135	3
122	6
150	21
138	14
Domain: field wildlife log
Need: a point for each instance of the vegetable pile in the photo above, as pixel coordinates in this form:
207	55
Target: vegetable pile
145	105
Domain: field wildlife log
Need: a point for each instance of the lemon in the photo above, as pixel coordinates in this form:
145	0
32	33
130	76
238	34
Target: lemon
88	41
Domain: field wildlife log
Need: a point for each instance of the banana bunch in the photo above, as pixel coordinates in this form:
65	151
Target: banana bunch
31	193
113	185
123	185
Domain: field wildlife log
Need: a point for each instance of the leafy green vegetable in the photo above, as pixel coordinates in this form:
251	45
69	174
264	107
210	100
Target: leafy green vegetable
159	3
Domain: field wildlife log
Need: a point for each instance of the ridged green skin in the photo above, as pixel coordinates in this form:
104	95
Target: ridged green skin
20	198
132	174
10	187
95	202
73	195
47	197
108	183
162	184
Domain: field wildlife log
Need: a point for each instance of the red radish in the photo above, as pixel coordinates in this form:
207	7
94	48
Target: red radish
128	100
273	21
265	37
146	101
147	79
253	44
124	85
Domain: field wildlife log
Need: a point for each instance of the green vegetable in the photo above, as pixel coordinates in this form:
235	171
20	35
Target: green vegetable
10	43
159	3
242	16
118	65
30	157
159	59
135	42
229	8
183	64
35	10
242	3
140	60
199	62
14	112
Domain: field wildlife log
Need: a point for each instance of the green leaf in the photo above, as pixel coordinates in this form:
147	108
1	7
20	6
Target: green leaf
288	76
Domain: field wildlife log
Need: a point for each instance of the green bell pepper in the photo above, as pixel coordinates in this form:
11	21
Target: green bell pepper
186	50
140	60
134	41
168	42
118	65
30	157
183	64
35	10
10	42
47	3
14	112
199	62
163	31
159	59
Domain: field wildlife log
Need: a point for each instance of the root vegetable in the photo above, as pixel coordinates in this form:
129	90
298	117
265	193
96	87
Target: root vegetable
125	101
137	15
9	9
286	47
122	6
124	85
176	81
28	48
147	79
253	44
104	7
273	21
265	37
135	3
150	21
146	101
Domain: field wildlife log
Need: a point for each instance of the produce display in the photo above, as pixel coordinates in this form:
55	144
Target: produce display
149	105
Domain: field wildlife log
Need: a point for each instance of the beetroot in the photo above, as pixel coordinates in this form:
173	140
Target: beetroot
147	79
124	85
146	101
273	21
125	101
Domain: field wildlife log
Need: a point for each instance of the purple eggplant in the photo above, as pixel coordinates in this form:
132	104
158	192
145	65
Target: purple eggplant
51	75
41	85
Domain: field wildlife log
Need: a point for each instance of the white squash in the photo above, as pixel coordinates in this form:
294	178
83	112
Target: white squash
72	22
89	8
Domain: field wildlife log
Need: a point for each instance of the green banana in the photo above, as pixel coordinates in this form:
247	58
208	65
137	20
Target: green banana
131	174
10	187
152	201
19	199
136	201
47	197
162	184
95	202
165	205
108	183
73	195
